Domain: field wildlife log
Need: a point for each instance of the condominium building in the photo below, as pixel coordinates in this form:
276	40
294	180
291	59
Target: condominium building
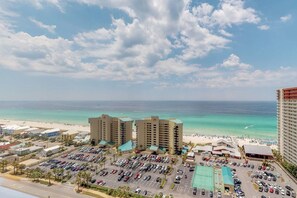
165	134
287	123
111	129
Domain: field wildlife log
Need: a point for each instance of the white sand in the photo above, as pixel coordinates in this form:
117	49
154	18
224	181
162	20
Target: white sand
194	138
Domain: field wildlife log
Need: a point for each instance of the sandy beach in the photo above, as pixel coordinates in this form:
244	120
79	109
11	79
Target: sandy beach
194	138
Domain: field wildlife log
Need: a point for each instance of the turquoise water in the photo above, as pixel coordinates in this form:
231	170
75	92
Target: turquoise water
9	193
251	119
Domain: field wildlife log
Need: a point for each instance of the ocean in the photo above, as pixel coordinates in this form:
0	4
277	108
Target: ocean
248	119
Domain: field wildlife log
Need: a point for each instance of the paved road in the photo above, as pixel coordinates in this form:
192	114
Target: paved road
40	190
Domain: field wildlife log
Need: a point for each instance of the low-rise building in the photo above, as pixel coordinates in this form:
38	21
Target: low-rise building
69	135
50	151
256	151
20	151
8	146
50	132
11	129
83	137
202	149
8	157
225	148
228	179
33	132
127	147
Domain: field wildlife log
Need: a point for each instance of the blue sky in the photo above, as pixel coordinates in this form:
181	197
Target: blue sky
147	50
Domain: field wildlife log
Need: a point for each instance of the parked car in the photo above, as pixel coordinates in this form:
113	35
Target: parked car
194	191
203	192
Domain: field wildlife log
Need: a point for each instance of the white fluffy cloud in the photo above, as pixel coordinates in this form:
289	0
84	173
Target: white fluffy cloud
50	28
263	27
286	18
228	13
39	4
162	40
233	61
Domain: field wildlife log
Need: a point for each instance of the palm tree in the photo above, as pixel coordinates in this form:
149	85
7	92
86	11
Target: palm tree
4	164
56	172
36	174
15	165
61	172
48	176
78	179
87	177
68	174
28	172
22	167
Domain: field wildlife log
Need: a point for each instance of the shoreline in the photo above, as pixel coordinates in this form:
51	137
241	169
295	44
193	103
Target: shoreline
196	138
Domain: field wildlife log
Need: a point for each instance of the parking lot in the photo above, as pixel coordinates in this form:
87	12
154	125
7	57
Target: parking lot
253	174
144	173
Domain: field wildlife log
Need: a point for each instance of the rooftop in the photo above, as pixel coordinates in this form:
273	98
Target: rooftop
176	121
203	148
259	150
51	131
70	132
227	176
126	119
52	148
203	178
128	146
153	148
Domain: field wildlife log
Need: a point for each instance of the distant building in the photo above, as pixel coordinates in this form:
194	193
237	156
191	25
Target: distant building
7	146
127	147
202	149
225	148
13	129
33	132
20	151
213	178
50	151
69	135
161	133
287	123
83	137
255	151
8	157
111	129
50	133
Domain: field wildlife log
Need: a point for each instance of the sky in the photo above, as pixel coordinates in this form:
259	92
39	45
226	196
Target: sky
147	49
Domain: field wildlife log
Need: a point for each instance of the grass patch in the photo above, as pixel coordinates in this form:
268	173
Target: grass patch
256	187
91	194
163	182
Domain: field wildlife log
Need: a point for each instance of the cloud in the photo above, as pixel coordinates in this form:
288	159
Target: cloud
234	61
233	12
263	27
225	33
286	18
50	28
39	4
163	41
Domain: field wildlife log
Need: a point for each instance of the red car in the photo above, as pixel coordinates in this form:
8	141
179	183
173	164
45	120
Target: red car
271	190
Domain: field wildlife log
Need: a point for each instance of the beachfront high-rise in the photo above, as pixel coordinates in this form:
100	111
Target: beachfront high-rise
161	133
287	123
111	129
